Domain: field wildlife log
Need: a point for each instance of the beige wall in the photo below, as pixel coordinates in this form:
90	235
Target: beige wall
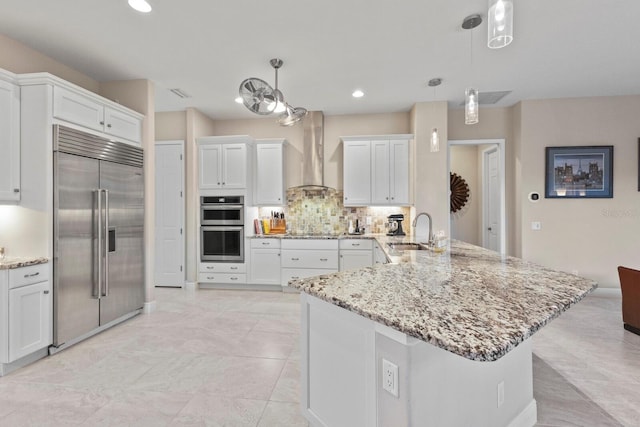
19	58
465	224
430	170
171	126
494	123
591	236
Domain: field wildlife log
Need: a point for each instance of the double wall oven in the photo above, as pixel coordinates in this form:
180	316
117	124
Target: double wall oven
222	228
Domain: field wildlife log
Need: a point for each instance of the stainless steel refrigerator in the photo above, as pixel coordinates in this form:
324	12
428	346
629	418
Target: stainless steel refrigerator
98	234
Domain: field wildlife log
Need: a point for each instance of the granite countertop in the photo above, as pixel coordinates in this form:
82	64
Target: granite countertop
15	262
468	300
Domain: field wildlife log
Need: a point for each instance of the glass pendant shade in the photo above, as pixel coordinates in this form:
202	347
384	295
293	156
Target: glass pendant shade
500	23
470	106
435	141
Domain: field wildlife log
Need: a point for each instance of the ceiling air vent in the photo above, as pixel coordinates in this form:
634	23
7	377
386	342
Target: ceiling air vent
490	98
180	93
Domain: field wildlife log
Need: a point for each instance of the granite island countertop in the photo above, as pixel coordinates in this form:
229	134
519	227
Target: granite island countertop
17	262
468	300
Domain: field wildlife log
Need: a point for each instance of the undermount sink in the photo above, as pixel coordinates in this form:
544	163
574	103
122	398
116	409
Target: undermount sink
407	246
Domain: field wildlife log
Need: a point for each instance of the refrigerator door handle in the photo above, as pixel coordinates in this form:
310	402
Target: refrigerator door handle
106	243
99	196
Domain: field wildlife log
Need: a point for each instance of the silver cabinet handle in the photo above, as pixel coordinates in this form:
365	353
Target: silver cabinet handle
233	278
16	190
224	183
210	277
109	125
99	195
106	243
218	183
295	277
102	123
46	292
266	243
31	275
295	259
355	244
210	267
233	268
323	259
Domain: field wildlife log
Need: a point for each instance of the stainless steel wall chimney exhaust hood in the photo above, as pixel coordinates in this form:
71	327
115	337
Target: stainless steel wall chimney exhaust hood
313	152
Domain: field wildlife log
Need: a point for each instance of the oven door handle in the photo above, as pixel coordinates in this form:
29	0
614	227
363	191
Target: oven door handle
222	207
222	227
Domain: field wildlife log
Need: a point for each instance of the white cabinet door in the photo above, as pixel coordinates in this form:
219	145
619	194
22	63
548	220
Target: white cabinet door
357	173
269	185
351	260
210	166
234	168
78	109
265	266
122	125
380	173
399	172
9	142
29	319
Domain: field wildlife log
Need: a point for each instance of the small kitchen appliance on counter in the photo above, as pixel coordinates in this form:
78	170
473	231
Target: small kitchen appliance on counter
394	224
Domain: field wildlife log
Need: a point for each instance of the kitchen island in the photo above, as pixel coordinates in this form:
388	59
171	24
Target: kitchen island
457	326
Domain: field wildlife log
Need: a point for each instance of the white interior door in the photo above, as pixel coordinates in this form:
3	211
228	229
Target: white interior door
169	210
491	199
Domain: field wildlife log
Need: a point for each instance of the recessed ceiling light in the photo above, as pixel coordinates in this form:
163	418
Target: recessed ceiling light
357	93
239	100
140	5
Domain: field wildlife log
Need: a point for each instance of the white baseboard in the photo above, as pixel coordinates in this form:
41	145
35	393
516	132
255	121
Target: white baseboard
528	417
149	307
190	286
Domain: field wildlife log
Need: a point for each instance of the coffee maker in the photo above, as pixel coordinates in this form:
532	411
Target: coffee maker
394	224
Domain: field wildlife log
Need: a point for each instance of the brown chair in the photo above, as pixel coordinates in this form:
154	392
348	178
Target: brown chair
630	286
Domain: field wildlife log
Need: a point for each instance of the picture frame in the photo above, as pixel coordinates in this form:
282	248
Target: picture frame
579	172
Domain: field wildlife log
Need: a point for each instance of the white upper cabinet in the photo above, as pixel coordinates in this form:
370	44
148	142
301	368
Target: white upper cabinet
223	162
9	142
376	170
357	173
269	176
92	112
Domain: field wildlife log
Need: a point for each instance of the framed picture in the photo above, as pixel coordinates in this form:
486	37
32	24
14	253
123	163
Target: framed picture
579	172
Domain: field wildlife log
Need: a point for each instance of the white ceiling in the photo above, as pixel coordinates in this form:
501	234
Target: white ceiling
387	48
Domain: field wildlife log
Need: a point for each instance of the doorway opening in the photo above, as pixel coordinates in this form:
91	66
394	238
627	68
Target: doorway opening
482	221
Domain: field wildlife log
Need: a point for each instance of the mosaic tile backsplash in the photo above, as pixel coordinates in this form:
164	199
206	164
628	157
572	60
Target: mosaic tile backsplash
321	212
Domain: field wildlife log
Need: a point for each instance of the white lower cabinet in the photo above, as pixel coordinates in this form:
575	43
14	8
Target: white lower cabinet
25	312
355	253
222	273
308	257
265	261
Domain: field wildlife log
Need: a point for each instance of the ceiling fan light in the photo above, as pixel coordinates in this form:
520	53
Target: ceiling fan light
140	5
500	28
470	106
239	100
291	116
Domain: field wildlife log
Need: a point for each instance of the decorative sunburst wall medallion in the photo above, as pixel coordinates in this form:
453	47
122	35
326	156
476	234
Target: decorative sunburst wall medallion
459	192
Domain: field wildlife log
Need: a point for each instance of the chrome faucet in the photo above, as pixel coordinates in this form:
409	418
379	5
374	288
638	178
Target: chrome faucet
415	222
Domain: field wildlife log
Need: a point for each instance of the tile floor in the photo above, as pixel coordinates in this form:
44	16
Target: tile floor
225	358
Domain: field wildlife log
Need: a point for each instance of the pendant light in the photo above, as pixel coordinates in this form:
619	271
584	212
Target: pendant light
500	28
435	138
471	106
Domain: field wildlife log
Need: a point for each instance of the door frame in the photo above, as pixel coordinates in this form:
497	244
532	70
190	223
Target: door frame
500	143
181	143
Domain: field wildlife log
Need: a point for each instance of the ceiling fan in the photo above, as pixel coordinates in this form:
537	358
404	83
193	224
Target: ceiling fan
260	98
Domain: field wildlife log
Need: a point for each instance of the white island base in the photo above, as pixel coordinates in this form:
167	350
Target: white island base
342	384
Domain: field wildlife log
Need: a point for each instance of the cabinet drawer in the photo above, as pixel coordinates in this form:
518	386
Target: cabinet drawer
301	273
213	267
310	259
309	243
356	244
123	125
265	243
222	278
23	276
